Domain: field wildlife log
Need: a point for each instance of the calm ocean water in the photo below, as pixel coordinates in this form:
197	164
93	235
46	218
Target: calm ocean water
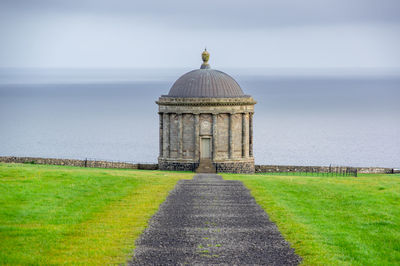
302	120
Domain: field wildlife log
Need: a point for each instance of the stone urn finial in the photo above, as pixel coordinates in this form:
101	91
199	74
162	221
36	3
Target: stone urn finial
205	56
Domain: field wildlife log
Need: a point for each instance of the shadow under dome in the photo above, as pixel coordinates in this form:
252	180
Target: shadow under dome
206	83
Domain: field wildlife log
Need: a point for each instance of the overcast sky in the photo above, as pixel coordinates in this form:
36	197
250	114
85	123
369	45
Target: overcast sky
247	33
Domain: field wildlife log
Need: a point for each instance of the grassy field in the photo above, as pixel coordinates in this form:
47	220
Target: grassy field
334	220
71	215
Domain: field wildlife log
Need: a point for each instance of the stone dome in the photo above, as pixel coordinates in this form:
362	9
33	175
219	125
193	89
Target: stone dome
206	83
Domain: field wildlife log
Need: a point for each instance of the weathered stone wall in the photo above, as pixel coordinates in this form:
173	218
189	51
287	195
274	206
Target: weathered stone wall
177	166
79	163
231	167
147	166
324	169
205	124
184	121
375	170
235	167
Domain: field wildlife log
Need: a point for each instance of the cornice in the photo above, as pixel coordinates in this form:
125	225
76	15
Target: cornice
169	101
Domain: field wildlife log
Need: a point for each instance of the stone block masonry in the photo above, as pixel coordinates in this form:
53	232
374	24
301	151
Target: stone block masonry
78	163
177	166
219	129
238	167
321	169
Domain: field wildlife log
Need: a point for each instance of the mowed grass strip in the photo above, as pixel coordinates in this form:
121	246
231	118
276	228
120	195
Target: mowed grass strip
333	220
71	215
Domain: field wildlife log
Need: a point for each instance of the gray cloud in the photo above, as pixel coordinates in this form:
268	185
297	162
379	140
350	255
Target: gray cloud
126	33
223	13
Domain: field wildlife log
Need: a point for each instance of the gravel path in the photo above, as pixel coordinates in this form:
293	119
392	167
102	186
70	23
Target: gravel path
208	220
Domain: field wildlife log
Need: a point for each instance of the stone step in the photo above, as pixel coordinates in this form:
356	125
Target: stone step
206	166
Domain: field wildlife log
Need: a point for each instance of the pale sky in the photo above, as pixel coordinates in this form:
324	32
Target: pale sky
238	34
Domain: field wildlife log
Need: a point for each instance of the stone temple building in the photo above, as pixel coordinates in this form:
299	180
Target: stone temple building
206	123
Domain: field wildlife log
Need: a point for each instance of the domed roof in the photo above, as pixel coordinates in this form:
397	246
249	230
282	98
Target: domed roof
206	82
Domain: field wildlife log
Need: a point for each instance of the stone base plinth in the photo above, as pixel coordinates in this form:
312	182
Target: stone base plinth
231	166
170	165
235	167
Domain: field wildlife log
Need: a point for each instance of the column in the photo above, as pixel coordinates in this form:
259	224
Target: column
161	144
196	137
180	136
251	134
215	134
245	135
166	133
230	135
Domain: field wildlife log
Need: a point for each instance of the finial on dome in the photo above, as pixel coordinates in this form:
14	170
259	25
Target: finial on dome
205	56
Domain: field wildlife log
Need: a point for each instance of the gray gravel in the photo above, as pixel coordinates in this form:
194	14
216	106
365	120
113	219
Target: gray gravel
209	220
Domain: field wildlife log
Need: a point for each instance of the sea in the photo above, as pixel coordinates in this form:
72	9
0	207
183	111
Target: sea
333	117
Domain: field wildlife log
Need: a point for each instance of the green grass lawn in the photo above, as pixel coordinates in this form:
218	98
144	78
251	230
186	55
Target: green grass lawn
71	215
333	220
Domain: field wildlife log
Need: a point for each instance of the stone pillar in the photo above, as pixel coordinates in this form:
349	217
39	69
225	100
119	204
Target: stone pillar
196	137
166	133
180	136
161	145
251	134
245	135
230	149
215	134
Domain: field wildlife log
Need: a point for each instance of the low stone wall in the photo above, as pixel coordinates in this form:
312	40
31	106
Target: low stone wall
147	166
226	167
79	163
321	169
